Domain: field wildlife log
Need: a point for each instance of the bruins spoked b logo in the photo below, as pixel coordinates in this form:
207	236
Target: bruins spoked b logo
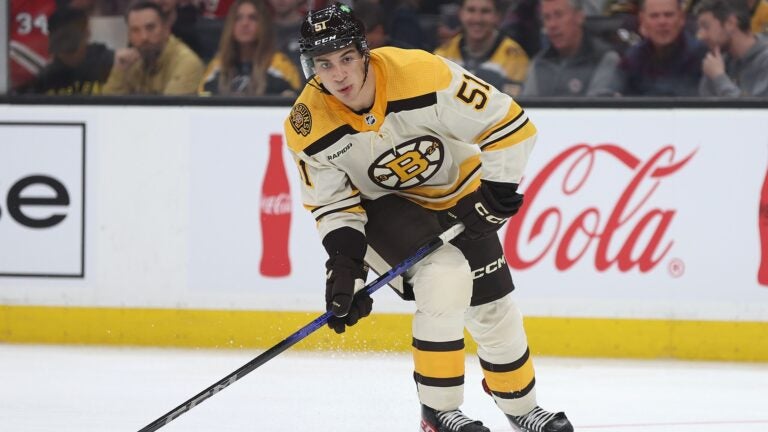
409	164
301	119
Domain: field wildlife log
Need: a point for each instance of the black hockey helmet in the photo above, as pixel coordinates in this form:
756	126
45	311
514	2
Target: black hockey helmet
329	29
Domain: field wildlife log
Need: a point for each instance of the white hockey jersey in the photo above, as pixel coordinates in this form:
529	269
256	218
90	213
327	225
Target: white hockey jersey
433	132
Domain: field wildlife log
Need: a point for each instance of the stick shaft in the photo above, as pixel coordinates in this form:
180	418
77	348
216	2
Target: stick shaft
300	334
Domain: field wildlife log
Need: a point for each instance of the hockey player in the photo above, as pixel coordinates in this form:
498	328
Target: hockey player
393	146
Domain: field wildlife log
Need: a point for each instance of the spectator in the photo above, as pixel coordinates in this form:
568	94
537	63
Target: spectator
182	14
667	62
27	40
369	12
483	50
156	62
737	63
288	17
77	67
574	64
247	64
105	22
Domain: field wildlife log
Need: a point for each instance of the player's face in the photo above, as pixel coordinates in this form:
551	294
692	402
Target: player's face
246	24
562	24
711	31
147	33
342	73
479	19
661	21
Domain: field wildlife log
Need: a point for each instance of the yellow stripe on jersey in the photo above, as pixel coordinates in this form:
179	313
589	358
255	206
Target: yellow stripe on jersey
509	378
439	364
517	135
515	112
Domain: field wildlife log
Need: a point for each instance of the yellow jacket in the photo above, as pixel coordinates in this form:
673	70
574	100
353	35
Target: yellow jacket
177	72
282	76
504	67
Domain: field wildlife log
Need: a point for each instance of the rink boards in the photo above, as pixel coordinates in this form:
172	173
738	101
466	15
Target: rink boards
142	226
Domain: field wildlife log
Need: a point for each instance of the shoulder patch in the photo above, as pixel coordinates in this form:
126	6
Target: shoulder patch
301	119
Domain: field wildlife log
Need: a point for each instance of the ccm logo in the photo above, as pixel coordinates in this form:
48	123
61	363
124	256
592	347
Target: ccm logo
325	40
489	268
482	211
18	203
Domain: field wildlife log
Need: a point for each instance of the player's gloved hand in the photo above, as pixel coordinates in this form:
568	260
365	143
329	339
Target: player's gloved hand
486	209
345	277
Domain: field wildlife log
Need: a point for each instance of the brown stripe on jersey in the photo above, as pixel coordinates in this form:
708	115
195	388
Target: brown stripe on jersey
508	367
354	208
520	133
329	139
412	103
507	124
510	380
438	382
516	394
423	345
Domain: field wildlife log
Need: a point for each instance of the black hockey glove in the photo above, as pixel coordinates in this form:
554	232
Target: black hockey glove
486	209
346	273
345	276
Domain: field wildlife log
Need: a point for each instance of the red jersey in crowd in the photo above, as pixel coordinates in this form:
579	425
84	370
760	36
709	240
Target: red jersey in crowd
28	42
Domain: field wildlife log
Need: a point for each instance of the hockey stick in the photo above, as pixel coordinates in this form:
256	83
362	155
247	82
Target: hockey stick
305	331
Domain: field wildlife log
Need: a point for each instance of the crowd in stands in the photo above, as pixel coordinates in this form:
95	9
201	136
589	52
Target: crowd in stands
545	48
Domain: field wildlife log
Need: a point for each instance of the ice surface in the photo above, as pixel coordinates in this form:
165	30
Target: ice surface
86	389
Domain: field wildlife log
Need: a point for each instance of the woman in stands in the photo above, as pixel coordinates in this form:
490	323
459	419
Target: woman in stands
247	63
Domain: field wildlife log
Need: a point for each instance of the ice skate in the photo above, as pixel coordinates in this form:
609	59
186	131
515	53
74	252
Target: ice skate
448	421
539	420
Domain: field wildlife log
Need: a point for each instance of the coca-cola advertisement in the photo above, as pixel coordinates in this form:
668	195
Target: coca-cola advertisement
275	213
637	216
629	235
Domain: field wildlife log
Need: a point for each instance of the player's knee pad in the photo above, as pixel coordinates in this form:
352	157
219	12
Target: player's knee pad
497	327
442	282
